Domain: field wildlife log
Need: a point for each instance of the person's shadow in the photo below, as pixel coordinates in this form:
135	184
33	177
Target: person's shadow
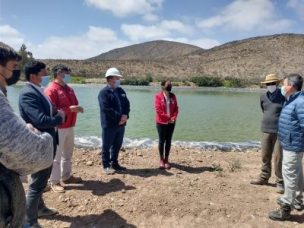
190	169
147	172
108	219
297	218
102	188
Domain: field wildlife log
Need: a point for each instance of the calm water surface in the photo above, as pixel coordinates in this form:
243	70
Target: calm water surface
222	115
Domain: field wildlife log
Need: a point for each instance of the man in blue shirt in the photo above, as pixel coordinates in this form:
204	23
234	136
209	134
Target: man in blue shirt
291	135
114	113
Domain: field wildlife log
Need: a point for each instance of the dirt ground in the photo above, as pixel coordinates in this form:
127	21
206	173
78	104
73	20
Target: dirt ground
203	189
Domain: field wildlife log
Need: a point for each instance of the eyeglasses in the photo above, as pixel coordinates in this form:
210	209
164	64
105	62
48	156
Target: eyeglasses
270	84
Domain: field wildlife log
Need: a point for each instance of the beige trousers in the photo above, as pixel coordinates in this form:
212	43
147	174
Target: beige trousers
62	166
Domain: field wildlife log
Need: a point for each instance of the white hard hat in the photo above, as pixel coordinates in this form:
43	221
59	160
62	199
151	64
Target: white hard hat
113	72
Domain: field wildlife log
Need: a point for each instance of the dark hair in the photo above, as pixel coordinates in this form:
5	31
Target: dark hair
59	67
109	78
33	67
7	53
163	82
296	81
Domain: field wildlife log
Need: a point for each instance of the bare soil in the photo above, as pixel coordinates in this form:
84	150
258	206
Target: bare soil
203	189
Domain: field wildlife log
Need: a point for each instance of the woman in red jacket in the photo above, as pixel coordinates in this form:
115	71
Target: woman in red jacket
166	110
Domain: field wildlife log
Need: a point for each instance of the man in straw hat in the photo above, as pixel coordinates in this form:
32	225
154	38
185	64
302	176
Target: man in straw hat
271	104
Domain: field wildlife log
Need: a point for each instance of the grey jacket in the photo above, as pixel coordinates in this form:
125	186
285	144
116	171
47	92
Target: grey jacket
22	150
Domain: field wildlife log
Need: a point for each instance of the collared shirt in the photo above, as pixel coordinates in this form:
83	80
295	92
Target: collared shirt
41	90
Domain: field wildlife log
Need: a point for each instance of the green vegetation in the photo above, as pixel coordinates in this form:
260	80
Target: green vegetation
208	81
78	80
26	57
138	81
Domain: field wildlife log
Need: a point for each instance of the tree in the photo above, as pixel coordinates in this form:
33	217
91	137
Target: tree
26	56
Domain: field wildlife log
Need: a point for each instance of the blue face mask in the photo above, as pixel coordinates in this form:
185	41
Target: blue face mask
67	78
117	83
45	80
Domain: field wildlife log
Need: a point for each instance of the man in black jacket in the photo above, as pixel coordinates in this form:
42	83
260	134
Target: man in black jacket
271	104
36	109
114	113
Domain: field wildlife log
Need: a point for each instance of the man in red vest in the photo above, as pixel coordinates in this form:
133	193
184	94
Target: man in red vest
64	98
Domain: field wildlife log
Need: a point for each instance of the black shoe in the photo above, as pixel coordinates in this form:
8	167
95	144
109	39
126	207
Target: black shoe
259	182
47	212
35	225
281	214
298	205
118	167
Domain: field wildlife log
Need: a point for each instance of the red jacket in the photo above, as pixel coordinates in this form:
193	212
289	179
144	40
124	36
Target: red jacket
63	97
161	110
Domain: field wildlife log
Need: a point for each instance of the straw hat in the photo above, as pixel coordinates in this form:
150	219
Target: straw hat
271	78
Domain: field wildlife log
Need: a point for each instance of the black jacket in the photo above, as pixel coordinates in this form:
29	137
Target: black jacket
113	104
35	109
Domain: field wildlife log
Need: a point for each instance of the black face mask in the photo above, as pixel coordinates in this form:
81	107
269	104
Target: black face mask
168	88
14	79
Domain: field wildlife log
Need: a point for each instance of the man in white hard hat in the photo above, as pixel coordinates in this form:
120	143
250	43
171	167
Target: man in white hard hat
114	113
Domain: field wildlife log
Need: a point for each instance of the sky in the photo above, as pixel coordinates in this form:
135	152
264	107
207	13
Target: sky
80	29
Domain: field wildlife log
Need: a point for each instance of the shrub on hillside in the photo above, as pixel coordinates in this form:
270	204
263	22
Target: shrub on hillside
135	81
232	82
78	80
207	81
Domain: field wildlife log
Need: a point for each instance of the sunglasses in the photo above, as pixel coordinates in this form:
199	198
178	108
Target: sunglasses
270	84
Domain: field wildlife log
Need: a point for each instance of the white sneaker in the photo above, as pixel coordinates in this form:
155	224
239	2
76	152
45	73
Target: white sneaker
109	171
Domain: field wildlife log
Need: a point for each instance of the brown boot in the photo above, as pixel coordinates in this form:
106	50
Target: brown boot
259	181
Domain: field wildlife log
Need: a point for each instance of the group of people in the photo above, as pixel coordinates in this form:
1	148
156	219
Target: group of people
40	142
283	136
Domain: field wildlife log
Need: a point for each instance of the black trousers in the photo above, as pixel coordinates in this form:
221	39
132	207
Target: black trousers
165	133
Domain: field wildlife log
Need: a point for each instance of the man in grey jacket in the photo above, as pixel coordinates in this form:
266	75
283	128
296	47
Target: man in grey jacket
271	104
17	155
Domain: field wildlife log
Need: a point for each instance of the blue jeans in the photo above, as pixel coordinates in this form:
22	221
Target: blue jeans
112	138
34	200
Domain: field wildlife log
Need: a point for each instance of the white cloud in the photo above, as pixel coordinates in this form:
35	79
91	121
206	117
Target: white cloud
204	43
11	36
123	8
138	32
175	25
94	42
298	6
247	15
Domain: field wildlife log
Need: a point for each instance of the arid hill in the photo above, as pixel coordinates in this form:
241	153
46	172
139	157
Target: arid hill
153	50
249	59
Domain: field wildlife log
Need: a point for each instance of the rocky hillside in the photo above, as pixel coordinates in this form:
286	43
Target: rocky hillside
249	59
153	50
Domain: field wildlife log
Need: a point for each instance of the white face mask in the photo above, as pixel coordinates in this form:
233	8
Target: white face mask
117	83
283	91
271	88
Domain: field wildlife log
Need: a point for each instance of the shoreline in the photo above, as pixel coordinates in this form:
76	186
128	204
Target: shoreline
97	81
94	142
